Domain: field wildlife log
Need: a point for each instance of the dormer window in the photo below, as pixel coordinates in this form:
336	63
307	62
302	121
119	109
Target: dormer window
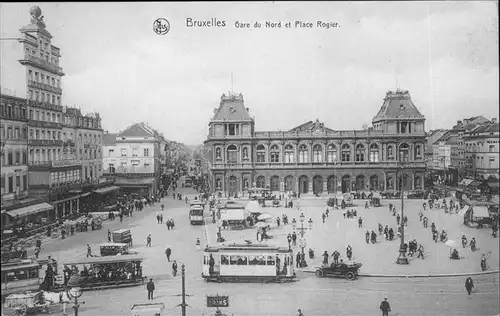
401	106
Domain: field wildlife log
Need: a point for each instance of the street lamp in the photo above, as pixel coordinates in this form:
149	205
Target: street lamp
302	229
402	259
74	290
219	233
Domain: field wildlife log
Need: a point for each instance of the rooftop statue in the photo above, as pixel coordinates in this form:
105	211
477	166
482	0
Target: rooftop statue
36	16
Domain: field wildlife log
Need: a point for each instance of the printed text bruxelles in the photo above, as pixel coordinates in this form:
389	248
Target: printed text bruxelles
213	22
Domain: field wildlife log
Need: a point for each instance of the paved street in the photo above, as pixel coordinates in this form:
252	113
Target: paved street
433	296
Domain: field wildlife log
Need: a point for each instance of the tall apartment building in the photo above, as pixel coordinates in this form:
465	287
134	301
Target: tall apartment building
133	158
482	151
14	147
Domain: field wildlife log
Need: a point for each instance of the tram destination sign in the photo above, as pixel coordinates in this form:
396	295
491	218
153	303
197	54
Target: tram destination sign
217	301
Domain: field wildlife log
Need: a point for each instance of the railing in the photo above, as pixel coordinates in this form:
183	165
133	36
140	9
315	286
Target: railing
45	142
42	62
46	105
44	124
59	163
39	85
307	165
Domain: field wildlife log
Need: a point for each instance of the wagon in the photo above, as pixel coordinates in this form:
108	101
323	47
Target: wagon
348	271
29	302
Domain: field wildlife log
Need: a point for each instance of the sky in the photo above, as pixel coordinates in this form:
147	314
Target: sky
444	53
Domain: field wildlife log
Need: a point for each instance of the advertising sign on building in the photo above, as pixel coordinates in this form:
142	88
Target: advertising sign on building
218	301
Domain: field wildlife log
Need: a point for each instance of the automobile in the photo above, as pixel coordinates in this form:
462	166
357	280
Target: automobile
342	270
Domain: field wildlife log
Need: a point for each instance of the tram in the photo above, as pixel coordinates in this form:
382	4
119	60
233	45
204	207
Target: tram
248	263
21	276
109	271
196	208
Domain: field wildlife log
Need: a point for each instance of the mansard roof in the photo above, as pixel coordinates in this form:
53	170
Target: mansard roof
311	126
138	130
398	105
232	108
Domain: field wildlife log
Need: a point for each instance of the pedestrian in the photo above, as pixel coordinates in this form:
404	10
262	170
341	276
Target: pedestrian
367	236
297	259
349	252
398	219
148	241
37	252
109	235
323	216
469	285
405	220
385	307
162	207
288	238
420	252
360	222
198	243
161	218
150	287
336	256
168	252
89	251
325	258
299	312
294	239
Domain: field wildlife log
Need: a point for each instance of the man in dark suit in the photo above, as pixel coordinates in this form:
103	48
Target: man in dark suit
150	287
385	307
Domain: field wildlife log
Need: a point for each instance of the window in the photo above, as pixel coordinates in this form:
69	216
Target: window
10	187
275	153
261	153
17	134
224	260
418	152
270	260
146	152
111	153
492	148
261	182
289	154
346	153
36	76
374	153
390	152
317	153
146	165
303	154
331	153
18	182
9	158
135	163
124	152
404	150
25	182
232	154
135	152
18	157
360	153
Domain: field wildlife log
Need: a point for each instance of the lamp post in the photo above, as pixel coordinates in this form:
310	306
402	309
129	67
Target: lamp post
402	259
74	290
302	229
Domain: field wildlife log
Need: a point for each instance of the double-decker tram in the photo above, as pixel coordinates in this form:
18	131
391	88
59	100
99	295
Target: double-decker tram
248	263
22	275
196	209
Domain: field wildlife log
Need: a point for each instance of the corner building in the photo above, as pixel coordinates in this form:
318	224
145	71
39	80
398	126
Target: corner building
312	158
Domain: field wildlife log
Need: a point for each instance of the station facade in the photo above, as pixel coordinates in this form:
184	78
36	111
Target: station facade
314	159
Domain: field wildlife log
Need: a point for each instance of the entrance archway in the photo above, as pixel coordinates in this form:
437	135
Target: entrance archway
346	183
360	182
275	183
233	184
289	184
374	183
318	184
332	184
303	184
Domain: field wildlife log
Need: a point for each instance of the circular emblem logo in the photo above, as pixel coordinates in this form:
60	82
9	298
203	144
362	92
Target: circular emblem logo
161	26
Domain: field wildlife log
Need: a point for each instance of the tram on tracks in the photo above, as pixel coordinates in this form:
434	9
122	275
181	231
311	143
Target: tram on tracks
248	263
109	271
196	209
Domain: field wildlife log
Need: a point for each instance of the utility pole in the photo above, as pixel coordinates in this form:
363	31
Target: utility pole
183	304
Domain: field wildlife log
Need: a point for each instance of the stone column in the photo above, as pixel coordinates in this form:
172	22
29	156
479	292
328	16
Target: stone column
71	207
413	181
325	185
310	153
385	180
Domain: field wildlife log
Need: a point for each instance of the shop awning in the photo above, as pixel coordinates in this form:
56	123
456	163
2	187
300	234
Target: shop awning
480	211
474	184
32	209
106	189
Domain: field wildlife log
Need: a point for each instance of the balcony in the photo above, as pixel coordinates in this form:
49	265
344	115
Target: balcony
44	124
69	142
45	105
54	164
45	142
42	63
316	165
39	85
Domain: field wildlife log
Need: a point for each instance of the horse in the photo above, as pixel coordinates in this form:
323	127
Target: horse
58	298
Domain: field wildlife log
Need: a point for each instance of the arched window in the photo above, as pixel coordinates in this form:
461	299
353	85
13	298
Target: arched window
275	183
360	152
374	156
303	154
331	153
260	182
275	153
232	154
346	152
289	154
261	153
418	151
317	153
404	152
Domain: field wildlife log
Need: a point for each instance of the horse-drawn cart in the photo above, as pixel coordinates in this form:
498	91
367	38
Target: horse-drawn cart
30	302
